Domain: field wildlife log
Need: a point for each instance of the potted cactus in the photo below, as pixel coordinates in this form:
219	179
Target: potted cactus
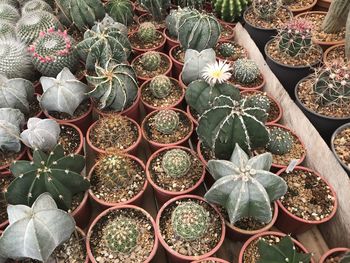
189	228
230	51
157	11
121	233
122	11
171	31
339	254
299	6
340	146
229	11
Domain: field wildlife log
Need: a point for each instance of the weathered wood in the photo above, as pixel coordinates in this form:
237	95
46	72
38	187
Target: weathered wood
314	242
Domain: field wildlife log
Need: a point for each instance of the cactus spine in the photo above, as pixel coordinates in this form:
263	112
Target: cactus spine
121	11
161	86
266	9
230	11
8	13
36	5
147	32
176	163
7	30
166	121
281	141
151	60
226	49
245	71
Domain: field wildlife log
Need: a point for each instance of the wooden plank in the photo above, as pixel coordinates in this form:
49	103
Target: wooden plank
314	242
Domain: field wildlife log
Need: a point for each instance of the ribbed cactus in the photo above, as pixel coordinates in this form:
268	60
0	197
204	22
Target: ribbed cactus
7	30
245	71
345	258
52	51
147	32
198	31
173	21
157	8
281	141
16	93
10	122
226	49
295	37
283	251
150	60
229	122
108	22
14	3
15	61
196	4
42	134
63	93
176	163
266	9
228	10
54	173
258	100
161	86
190	221
121	235
336	17
8	13
36	5
101	44
166	121
121	11
115	86
245	187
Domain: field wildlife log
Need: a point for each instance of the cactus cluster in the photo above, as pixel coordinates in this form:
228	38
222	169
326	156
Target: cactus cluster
190	220
7	30
52	51
160	86
245	71
226	49
147	32
157	8
281	141
121	11
36	5
151	60
230	11
8	13
10	123
266	9
172	21
166	121
176	163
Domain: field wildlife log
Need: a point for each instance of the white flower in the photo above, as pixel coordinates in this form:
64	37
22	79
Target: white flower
217	72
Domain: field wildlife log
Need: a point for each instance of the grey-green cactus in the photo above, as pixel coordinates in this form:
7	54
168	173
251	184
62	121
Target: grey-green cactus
336	17
14	3
176	163
245	71
7	30
245	187
147	33
283	251
10	122
16	93
150	60
172	21
195	4
121	11
8	13
52	51
108	22
36	5
230	11
157	8
63	93
42	224
190	221
54	173
115	86
166	121
259	100
160	86
42	134
226	49
266	9
281	141
345	258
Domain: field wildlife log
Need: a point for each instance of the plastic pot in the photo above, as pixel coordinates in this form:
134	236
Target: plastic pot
4	169
289	223
217	260
170	42
333	252
337	131
173	255
177	65
159	48
326	60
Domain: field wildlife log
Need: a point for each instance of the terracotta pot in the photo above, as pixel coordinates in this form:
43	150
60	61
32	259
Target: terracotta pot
326	60
323	5
138	51
82	213
178	66
169	41
136	200
4	169
303	9
192	118
155	145
130	150
246	55
174	256
3	225
37	87
231	26
269	233
290	223
209	180
181	81
259	87
337	131
333	252
217	260
165	195
104	213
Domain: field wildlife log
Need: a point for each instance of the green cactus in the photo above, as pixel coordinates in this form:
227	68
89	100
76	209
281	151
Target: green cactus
150	60
226	49
230	11
36	5
172	21
157	8
336	17
52	51
108	22
345	258
115	86
190	221
266	9
121	235
166	121
7	30
54	173
245	71
14	3
281	141
121	11
31	24
161	86
147	32
8	13
245	187
259	100
283	251
194	4
176	163
10	123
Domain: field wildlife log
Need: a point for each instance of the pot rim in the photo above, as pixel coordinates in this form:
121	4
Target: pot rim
332	251
335	133
328	50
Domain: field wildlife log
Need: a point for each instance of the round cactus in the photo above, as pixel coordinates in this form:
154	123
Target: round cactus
176	163
189	220
14	3
121	235
8	13
7	30
266	9
258	100
281	141
161	86
166	121
36	5
245	71
151	60
52	51
226	49
121	11
147	32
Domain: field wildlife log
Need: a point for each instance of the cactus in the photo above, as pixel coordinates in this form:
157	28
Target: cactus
195	4
281	141
245	71
14	3
36	5
190	221
336	17
7	30
176	163
345	258
63	93
16	93
150	60
42	224
226	49
230	11
15	61
166	121
31	24
283	251
121	235
172	21
266	9
108	22
229	122
157	8
198	31
54	173
52	51
101	44
115	86
8	13
147	32
121	11
161	86
42	134
258	100
245	187
10	121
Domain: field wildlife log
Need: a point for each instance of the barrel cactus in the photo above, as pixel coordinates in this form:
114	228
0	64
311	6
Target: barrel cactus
245	187
161	86
115	86
226	49
121	11
190	221
10	123
176	163
259	100
147	32
166	121
52	51
336	17
36	5
8	13
245	71
108	22
7	30
230	11
195	4
157	8
266	9
151	60
54	173
173	21
281	141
